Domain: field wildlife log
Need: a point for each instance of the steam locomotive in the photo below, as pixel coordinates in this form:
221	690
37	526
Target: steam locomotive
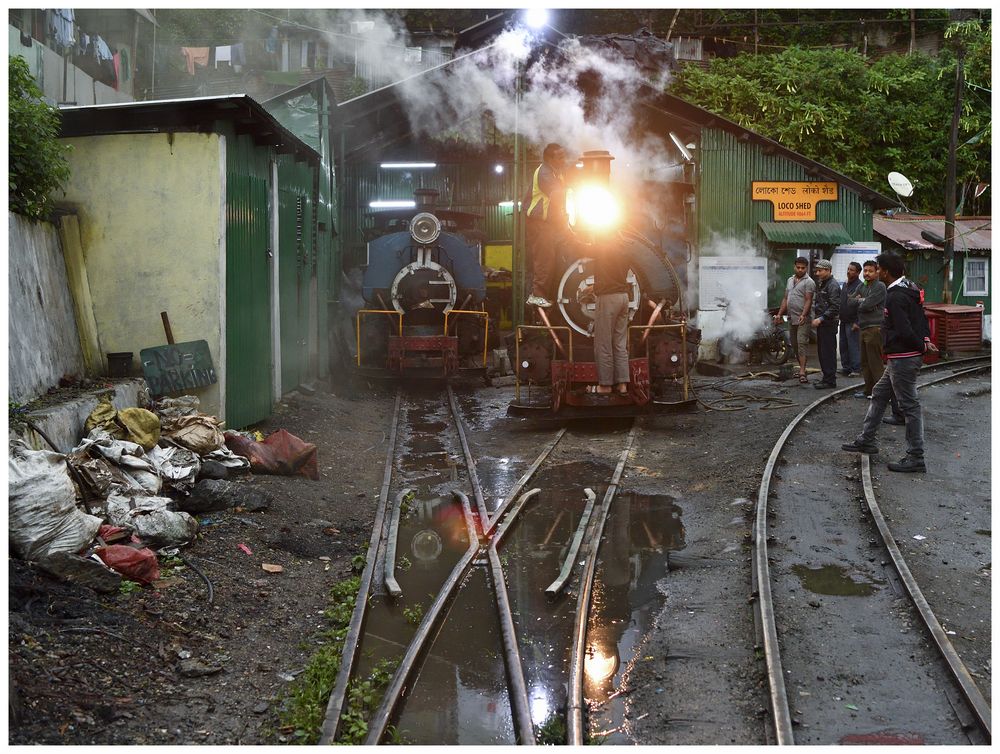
424	292
554	357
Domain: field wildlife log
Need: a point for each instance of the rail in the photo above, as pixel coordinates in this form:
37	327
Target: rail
760	574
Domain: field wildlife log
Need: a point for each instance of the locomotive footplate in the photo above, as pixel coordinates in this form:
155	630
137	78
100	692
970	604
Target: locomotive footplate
436	352
570	381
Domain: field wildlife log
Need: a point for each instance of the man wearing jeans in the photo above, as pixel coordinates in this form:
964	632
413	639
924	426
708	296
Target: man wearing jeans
850	336
905	338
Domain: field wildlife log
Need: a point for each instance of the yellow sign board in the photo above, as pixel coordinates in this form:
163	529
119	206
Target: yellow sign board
794	200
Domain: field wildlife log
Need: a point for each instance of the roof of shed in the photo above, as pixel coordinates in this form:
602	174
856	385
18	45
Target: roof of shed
971	233
384	130
806	233
199	114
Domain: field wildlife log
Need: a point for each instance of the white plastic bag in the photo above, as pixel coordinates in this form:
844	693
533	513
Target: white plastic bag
152	520
43	517
178	466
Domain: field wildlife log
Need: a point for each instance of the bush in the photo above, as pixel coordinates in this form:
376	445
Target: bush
37	161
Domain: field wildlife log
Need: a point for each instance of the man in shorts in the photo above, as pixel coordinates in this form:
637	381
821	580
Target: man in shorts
799	292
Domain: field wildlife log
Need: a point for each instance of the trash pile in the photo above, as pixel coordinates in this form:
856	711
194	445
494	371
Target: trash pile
141	476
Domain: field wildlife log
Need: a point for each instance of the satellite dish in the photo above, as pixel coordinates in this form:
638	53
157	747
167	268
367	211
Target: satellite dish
900	184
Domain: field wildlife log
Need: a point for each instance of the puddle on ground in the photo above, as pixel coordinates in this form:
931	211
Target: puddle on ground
834	580
637	541
461	695
432	538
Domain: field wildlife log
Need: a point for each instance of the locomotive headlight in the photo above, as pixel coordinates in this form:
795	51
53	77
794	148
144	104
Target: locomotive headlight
425	228
592	207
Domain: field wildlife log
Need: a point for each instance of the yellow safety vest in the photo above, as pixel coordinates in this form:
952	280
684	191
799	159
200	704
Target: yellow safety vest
537	195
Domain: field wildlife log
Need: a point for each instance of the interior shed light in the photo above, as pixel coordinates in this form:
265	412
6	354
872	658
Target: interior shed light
498	168
392	204
407	165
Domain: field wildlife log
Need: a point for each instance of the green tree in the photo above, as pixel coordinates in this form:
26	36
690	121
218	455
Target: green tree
37	164
859	117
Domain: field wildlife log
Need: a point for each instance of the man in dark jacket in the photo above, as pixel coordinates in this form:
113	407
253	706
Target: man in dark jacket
870	300
905	339
826	312
547	227
850	336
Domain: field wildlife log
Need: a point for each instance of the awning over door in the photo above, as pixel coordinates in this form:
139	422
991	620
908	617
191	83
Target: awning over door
806	234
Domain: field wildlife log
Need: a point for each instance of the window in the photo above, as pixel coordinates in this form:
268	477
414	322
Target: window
977	274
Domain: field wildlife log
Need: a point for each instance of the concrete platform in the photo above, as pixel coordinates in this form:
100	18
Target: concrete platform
63	422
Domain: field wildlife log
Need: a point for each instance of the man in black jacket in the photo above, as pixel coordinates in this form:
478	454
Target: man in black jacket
826	313
905	339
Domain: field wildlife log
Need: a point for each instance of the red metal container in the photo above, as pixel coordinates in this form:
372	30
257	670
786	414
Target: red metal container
954	327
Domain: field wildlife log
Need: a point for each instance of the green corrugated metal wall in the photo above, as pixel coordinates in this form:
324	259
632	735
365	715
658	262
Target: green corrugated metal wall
925	269
297	258
728	167
464	187
248	297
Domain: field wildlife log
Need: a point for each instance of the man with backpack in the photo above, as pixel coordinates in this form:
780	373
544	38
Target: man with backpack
905	339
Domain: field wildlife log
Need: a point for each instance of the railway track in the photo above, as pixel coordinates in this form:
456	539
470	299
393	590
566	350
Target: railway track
536	532
839	640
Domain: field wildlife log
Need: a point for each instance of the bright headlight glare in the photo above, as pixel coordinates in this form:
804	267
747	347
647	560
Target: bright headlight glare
593	207
425	228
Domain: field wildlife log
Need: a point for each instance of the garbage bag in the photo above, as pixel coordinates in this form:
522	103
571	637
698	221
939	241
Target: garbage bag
197	432
134	564
280	453
178	467
152	519
103	417
142	426
138	470
43	517
183	405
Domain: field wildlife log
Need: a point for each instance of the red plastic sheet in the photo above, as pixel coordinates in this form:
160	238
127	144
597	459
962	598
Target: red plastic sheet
280	453
134	564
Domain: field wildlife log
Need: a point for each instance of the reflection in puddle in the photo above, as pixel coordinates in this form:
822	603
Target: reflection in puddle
833	580
640	533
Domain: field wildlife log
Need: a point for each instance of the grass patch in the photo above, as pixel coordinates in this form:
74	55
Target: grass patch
304	708
553	731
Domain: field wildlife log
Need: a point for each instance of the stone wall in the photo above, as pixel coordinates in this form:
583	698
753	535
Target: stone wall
43	343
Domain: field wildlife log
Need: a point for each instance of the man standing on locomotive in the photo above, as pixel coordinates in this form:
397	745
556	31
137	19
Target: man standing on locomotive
547	226
611	266
826	312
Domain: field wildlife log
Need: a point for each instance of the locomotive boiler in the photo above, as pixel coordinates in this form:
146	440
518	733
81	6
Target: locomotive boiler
554	356
424	292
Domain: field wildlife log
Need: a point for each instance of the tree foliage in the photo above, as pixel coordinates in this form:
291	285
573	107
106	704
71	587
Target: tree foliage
37	164
862	118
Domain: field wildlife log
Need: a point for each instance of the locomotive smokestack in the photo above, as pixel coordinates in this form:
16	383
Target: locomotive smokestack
426	199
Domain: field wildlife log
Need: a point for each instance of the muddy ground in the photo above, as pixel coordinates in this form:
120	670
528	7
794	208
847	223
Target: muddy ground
125	669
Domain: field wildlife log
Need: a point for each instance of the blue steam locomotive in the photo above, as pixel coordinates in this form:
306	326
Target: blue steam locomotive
424	292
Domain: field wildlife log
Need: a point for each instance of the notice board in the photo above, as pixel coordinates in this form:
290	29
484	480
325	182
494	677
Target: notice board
852	252
178	366
731	278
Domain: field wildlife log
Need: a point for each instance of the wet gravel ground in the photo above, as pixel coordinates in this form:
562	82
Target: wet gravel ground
688	670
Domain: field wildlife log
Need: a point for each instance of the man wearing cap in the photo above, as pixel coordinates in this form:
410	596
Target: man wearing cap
826	314
547	225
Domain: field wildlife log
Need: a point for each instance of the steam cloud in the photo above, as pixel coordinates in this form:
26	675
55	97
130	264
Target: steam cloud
552	107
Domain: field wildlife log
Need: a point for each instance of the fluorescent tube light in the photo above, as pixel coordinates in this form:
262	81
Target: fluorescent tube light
392	204
407	165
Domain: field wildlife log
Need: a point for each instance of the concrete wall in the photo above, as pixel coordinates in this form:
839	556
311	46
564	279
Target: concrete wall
151	211
59	81
43	344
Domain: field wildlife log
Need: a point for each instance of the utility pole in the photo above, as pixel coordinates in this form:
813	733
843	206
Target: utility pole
913	31
949	186
756	32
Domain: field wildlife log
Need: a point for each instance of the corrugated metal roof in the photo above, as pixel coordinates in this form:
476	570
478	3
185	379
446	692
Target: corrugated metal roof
198	114
971	233
806	233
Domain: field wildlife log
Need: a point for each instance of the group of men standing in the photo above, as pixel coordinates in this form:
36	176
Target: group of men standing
883	336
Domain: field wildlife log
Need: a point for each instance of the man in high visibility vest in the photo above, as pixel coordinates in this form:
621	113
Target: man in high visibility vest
547	224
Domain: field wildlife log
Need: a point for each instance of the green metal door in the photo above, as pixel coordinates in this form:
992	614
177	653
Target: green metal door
249	361
296	258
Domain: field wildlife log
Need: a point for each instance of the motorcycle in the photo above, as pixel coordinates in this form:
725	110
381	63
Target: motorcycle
768	344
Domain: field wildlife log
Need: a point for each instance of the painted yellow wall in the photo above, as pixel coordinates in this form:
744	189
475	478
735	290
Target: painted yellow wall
152	230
